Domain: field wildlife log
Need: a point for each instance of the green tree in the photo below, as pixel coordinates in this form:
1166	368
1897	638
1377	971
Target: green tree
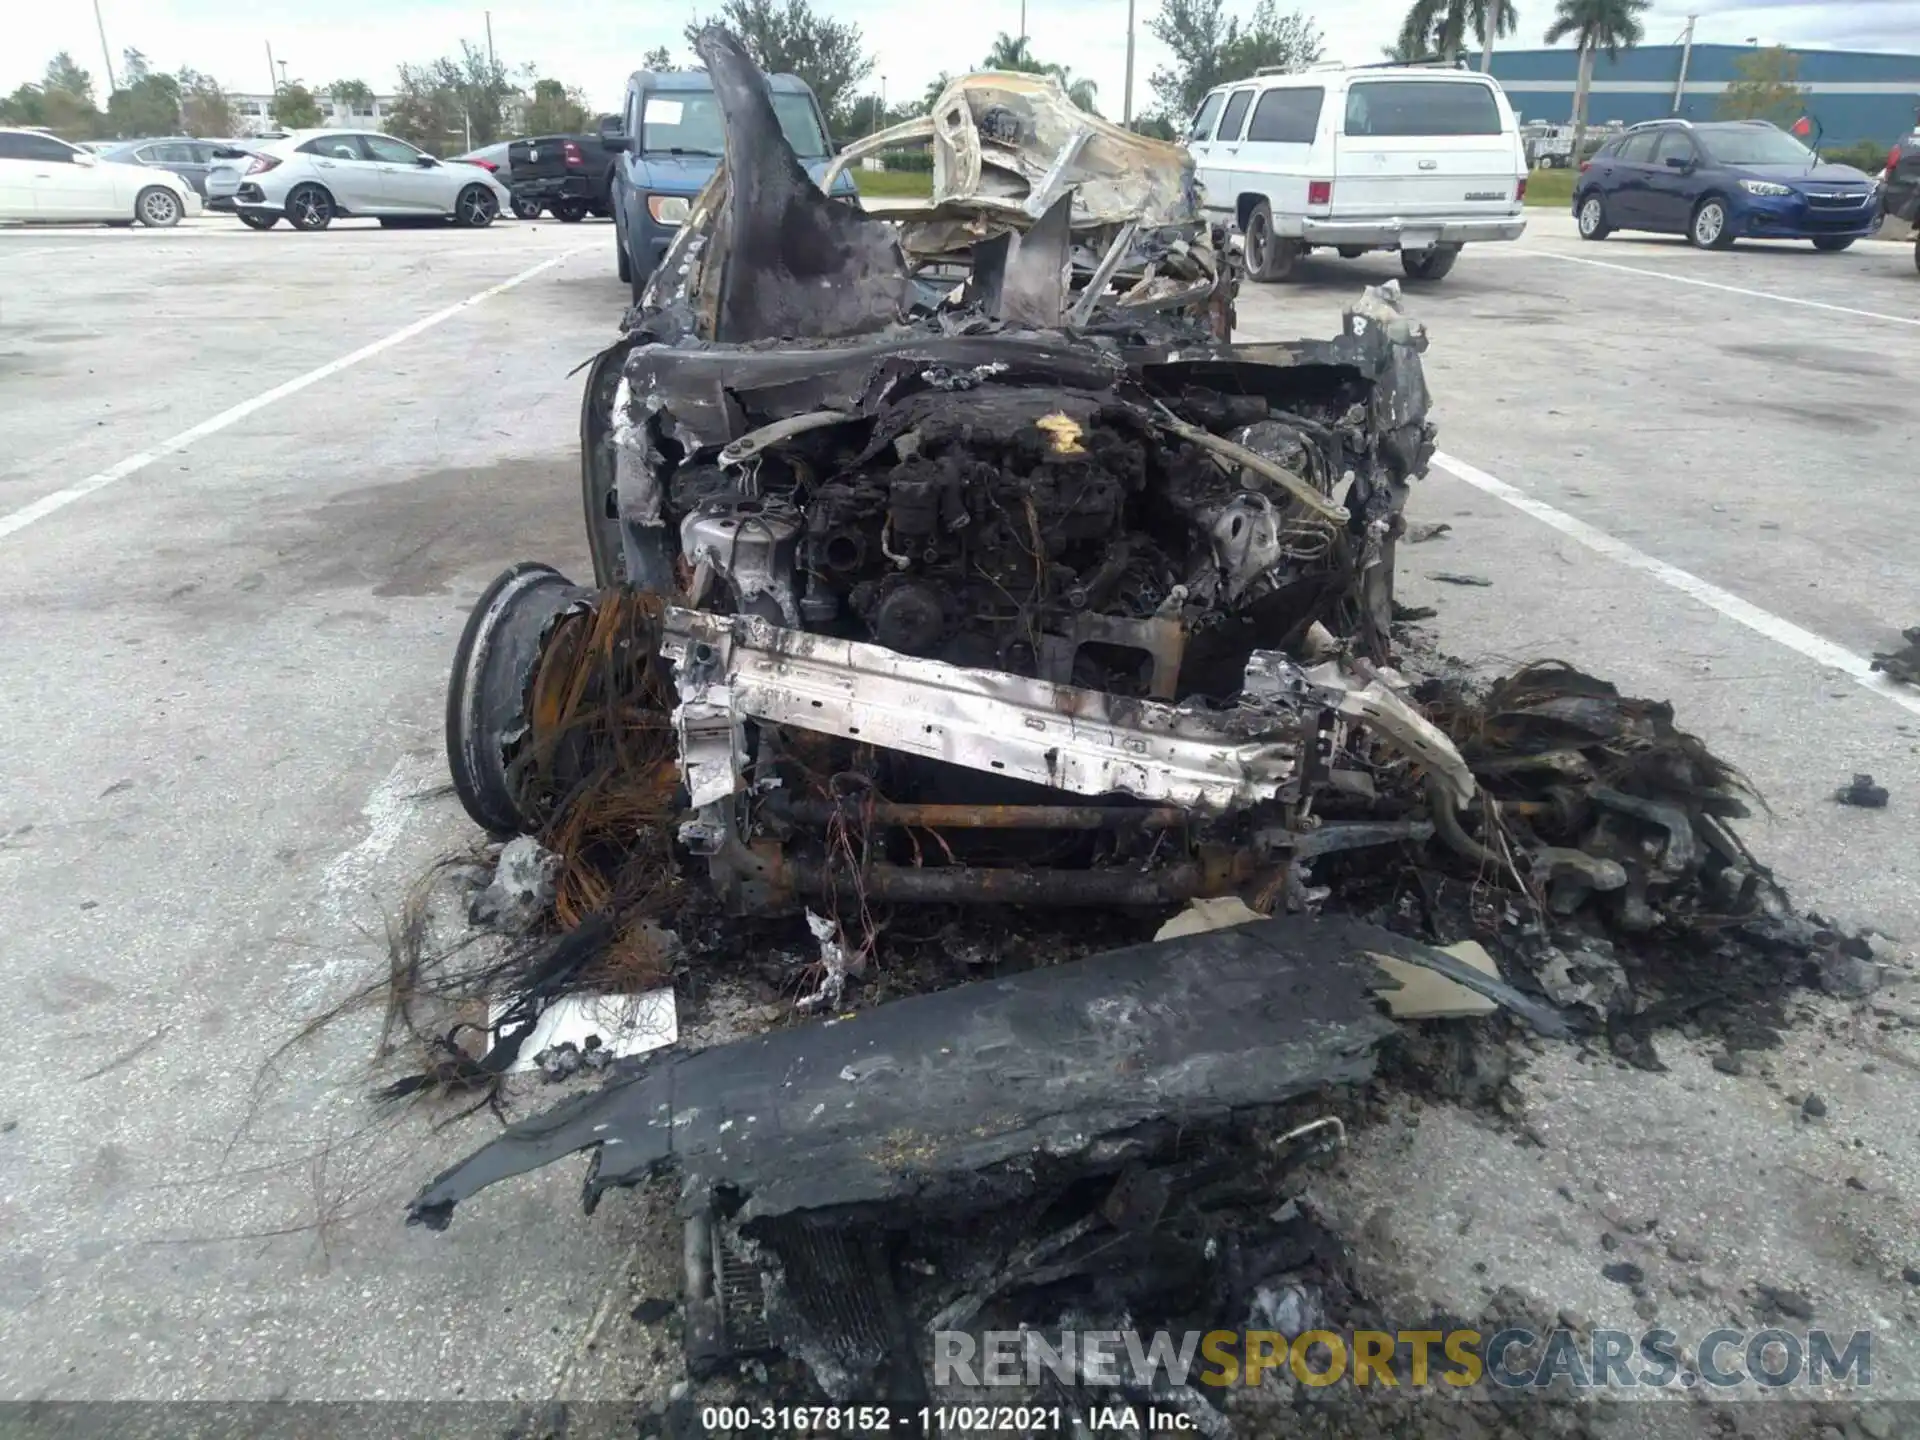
1766	88
1443	26
1211	47
936	87
1017	55
145	103
294	108
787	37
556	110
658	58
204	106
354	94
426	113
62	102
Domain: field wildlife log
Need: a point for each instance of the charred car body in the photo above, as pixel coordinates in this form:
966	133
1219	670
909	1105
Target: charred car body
981	551
1024	586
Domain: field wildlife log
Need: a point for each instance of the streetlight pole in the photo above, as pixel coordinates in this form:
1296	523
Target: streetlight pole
273	75
1126	94
105	53
1493	29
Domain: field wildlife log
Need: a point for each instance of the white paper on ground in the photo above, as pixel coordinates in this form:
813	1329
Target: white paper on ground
626	1024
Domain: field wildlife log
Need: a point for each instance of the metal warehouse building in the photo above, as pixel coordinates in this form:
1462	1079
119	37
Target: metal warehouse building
1857	94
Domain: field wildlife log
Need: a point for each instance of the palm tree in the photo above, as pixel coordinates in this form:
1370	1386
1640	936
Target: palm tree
1011	53
1440	26
1598	25
1017	55
935	89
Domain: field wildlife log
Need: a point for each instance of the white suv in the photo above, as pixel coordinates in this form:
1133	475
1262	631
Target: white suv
1417	159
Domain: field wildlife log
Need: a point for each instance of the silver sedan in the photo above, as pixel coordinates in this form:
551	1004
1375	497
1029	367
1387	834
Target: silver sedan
312	177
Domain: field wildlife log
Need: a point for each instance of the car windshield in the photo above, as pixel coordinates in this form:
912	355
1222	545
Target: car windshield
1754	145
687	122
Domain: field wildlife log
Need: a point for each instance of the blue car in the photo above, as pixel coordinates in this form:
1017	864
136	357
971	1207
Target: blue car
667	142
1722	181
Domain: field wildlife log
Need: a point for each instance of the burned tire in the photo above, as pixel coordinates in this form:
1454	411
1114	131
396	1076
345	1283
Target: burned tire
1592	214
1269	257
158	208
1710	229
254	220
1429	265
525	209
571	212
487	693
309	207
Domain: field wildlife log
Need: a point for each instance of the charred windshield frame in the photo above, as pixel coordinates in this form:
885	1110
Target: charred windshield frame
800	122
1755	145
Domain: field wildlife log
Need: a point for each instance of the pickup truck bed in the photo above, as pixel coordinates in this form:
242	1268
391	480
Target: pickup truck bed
569	175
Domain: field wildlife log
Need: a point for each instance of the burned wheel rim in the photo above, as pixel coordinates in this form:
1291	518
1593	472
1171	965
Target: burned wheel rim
487	692
159	208
476	207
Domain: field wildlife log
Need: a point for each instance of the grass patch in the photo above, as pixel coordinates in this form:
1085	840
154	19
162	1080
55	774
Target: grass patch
894	184
1551	187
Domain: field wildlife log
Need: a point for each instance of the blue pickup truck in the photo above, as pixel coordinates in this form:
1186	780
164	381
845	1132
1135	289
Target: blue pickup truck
666	143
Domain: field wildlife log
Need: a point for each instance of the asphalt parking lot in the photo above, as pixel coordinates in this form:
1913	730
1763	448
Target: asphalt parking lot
250	485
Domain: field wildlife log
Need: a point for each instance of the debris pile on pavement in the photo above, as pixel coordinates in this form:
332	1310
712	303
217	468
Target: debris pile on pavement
1006	672
1902	664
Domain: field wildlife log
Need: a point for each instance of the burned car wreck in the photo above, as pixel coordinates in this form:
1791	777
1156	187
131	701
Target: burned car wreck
1029	593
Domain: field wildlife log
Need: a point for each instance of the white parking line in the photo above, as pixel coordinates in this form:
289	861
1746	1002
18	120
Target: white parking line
1763	622
1716	285
18	520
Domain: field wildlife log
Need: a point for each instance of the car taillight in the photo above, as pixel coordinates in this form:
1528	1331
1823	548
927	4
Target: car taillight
570	152
261	164
1520	190
486	165
1319	192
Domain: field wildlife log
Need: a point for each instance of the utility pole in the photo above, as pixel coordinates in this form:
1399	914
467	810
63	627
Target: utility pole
273	75
1126	93
105	53
491	66
1493	29
1686	56
1023	19
283	74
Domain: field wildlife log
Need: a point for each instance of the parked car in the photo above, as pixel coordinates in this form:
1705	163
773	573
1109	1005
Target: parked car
667	141
184	156
1722	180
568	175
43	178
1412	158
1900	187
313	177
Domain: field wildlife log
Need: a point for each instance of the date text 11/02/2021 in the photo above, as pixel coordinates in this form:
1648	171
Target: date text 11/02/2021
934	1419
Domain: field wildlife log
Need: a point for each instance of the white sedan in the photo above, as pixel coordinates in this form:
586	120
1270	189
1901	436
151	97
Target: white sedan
43	178
312	177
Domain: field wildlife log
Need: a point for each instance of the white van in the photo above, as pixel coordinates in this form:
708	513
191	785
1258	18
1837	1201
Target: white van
1418	159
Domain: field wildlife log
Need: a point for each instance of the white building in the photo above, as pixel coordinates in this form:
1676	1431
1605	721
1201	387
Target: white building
254	112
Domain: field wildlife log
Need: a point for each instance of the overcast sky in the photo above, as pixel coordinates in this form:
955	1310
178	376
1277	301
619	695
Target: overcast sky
594	44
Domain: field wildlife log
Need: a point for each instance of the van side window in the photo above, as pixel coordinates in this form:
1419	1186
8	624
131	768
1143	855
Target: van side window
1209	111
1421	107
1291	117
1236	114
